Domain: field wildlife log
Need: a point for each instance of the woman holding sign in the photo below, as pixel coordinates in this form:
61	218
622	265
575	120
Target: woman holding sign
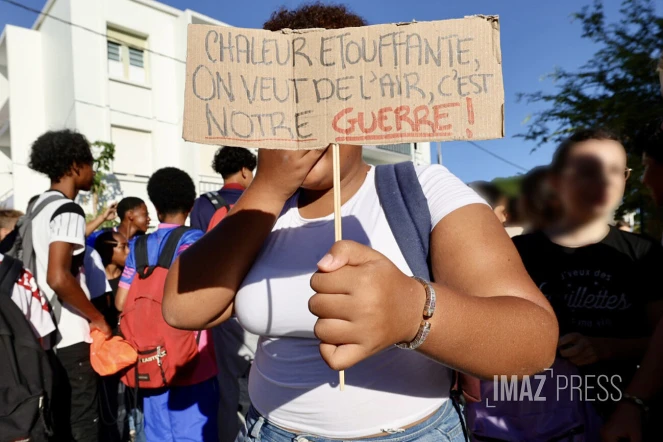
483	315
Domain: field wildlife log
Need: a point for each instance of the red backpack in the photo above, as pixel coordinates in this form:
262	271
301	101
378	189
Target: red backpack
164	353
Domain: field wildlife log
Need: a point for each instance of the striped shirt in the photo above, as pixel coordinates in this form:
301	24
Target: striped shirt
62	221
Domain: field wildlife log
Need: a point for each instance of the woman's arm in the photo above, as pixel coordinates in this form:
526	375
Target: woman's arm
490	306
121	298
490	319
202	282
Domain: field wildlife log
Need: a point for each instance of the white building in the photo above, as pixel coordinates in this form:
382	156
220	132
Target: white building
116	73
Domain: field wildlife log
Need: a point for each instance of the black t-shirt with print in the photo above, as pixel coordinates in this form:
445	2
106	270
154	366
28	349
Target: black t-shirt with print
600	290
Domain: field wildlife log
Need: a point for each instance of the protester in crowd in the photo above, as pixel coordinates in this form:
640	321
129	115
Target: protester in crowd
235	348
8	220
538	202
626	423
188	410
108	214
624	226
235	165
493	196
602	282
58	236
283	225
113	250
33	304
134	220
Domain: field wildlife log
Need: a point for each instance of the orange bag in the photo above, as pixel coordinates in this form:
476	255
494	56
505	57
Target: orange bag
108	356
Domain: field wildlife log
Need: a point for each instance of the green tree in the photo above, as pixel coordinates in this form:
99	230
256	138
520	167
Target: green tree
617	88
510	186
104	154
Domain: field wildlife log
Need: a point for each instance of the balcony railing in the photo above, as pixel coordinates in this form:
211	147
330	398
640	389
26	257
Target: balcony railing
402	148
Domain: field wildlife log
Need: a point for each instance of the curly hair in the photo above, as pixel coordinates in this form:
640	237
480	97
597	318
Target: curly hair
314	15
171	190
127	204
230	160
56	152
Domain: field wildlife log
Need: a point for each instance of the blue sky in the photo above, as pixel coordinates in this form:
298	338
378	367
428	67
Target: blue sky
536	36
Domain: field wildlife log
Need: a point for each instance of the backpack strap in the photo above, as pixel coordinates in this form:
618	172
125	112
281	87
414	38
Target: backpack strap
143	269
170	246
407	212
406	209
35	209
217	200
10	271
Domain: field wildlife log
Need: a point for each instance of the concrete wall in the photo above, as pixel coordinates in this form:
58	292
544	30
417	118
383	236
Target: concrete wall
56	59
26	97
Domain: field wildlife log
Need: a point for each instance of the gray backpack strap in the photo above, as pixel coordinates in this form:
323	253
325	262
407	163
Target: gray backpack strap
29	258
406	209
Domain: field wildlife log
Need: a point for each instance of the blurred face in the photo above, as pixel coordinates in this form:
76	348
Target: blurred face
120	250
592	182
84	176
321	176
140	218
653	178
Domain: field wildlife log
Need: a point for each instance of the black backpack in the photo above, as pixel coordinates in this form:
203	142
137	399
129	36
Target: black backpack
26	376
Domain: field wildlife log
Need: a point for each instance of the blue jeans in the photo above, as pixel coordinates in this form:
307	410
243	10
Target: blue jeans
443	426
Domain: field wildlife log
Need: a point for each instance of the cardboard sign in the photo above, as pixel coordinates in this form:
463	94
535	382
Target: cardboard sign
373	85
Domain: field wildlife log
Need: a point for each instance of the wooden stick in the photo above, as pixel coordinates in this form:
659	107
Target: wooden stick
338	224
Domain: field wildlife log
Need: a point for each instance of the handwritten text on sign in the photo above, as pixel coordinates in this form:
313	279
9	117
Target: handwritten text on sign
374	85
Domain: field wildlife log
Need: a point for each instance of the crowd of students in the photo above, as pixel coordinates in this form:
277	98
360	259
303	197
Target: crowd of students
242	321
82	279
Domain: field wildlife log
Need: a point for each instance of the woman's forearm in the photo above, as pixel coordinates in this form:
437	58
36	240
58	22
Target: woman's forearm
202	282
492	335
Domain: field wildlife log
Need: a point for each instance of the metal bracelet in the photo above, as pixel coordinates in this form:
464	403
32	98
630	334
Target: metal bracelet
431	297
422	334
429	310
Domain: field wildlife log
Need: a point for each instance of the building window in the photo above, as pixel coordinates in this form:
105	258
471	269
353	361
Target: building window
126	57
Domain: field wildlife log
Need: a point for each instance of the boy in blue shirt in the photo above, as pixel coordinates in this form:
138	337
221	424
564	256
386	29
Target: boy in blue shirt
182	412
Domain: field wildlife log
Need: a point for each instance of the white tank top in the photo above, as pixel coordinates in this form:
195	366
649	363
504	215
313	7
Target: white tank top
289	383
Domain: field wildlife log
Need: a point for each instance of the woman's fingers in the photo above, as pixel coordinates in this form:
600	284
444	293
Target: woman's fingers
335	331
342	357
327	306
